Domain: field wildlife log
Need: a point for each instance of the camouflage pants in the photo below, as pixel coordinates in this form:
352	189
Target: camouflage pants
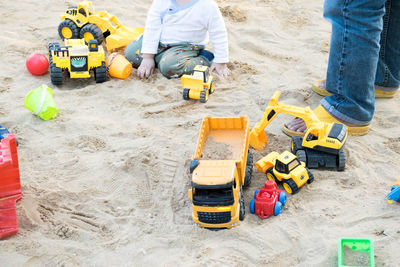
173	60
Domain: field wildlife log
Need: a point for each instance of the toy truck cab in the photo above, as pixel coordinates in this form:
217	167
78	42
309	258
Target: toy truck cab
78	59
268	200
198	85
216	194
285	168
216	186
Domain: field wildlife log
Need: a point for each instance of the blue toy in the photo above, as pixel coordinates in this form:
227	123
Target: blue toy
394	192
3	132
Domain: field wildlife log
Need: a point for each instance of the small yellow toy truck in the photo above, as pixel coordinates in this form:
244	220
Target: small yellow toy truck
198	85
83	22
322	145
287	169
221	165
78	59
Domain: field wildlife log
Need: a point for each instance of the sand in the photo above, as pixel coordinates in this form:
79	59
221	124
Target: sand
214	150
105	183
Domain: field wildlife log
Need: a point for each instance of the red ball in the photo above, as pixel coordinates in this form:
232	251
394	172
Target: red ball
37	64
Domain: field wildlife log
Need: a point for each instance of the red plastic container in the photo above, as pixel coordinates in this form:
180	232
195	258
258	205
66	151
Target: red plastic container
268	200
10	186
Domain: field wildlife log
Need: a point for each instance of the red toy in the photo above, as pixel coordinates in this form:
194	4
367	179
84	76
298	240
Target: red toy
37	64
268	200
10	186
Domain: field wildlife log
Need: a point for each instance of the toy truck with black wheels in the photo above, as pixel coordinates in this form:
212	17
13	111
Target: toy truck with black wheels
78	59
221	167
198	85
322	145
285	169
83	22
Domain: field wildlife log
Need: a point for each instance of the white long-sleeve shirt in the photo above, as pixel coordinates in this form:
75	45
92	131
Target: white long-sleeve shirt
195	23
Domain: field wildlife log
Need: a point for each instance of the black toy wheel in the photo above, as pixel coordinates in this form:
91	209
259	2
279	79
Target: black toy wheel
211	90
204	96
67	29
100	73
302	156
185	94
290	186
242	208
310	176
91	31
270	174
249	169
52	47
56	75
296	144
341	160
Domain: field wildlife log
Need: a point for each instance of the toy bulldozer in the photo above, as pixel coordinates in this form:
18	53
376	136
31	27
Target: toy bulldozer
198	85
78	59
83	22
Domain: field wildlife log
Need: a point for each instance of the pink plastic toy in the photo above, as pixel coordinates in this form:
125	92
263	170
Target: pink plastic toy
268	200
37	64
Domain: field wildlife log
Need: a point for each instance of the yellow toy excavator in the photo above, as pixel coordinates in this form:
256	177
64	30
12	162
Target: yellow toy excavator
322	145
83	22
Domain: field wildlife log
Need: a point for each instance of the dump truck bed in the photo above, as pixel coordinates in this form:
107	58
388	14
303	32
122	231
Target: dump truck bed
224	139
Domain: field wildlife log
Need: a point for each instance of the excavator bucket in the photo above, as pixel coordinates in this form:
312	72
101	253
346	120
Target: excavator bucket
122	37
258	138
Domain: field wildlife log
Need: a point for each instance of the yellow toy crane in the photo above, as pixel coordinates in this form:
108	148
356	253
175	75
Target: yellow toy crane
83	22
322	145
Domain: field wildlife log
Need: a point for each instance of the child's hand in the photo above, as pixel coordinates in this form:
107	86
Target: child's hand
146	68
221	68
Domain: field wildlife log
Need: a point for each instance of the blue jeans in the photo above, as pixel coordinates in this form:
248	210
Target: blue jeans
364	54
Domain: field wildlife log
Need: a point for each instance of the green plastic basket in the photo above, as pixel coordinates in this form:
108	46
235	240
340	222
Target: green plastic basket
352	249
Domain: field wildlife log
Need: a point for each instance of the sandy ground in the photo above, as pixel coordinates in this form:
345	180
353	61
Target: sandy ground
105	183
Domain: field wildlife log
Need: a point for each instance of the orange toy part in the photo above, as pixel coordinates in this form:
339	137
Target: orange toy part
118	66
10	186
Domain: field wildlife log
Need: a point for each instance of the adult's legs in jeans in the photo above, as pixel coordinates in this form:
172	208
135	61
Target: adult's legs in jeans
388	70
353	58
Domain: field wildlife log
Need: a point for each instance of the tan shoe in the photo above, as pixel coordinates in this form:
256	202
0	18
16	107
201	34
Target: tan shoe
320	88
324	116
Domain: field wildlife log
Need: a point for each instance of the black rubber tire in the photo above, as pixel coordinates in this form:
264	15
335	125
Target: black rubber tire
203	96
296	144
100	73
211	90
249	169
94	30
71	25
302	155
56	75
185	94
270	171
292	185
242	208
52	47
310	176
341	160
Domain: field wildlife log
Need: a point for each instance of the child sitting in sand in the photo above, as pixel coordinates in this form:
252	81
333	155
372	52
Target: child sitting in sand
175	35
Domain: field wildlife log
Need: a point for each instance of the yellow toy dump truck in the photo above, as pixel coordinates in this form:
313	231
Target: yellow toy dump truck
287	169
78	59
221	165
83	22
198	85
322	145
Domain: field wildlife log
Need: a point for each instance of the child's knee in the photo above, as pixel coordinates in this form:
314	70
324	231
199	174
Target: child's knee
169	67
132	53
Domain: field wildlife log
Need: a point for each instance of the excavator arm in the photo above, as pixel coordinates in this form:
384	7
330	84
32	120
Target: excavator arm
258	138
